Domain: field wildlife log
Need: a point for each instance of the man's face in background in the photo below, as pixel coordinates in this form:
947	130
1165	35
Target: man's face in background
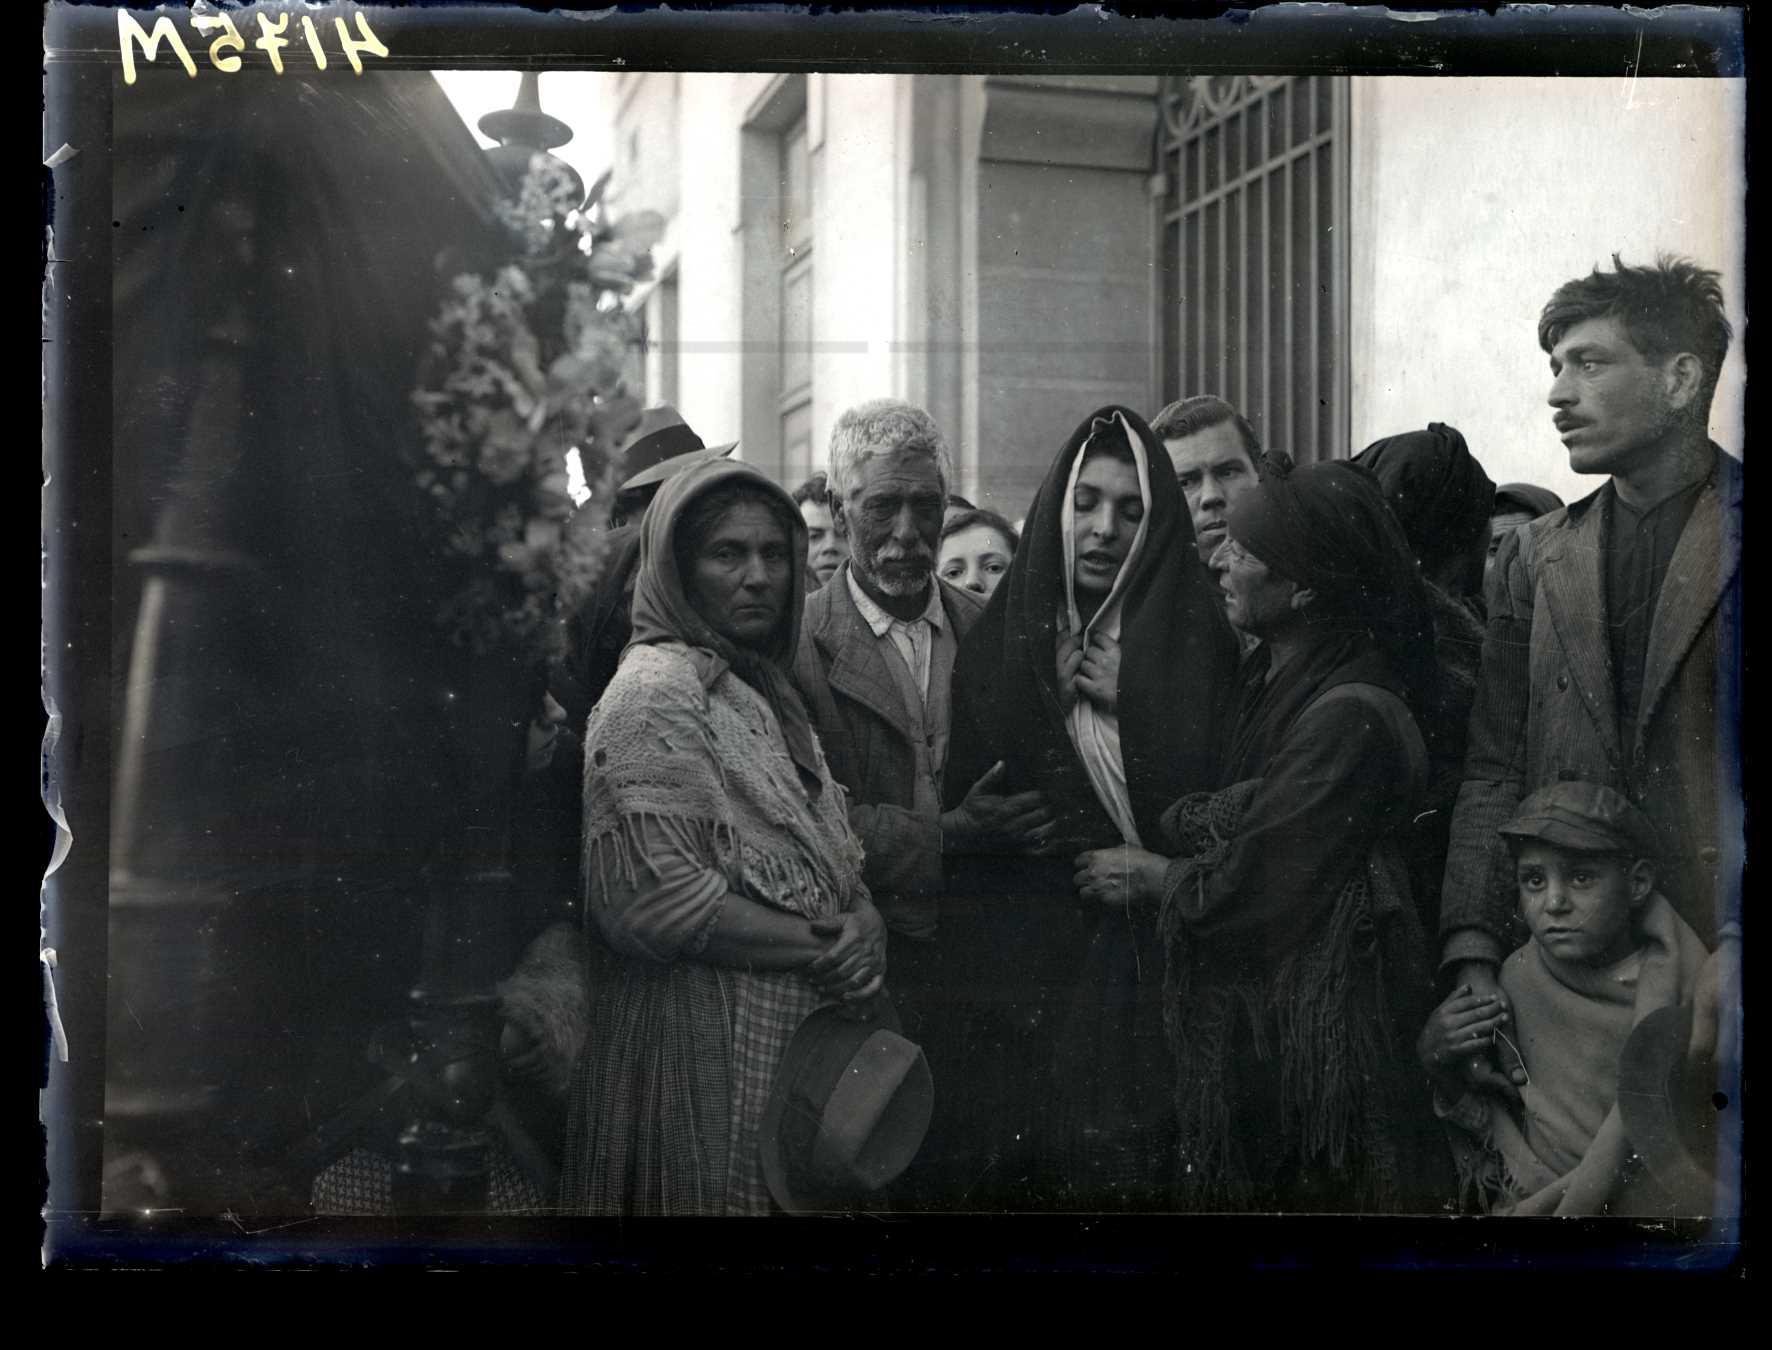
1213	469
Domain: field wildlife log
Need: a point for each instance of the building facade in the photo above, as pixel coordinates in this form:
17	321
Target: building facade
1342	258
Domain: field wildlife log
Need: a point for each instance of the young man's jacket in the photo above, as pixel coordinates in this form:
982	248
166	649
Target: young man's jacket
856	705
1546	708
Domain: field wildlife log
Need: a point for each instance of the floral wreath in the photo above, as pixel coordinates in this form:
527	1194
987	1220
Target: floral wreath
526	367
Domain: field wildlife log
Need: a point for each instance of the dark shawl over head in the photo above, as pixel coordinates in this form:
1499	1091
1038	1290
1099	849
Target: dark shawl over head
1055	1019
1327	528
1439	492
1177	663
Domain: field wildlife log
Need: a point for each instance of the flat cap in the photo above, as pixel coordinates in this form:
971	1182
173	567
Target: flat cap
1587	817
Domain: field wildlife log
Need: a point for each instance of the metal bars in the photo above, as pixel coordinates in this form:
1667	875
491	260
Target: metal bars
1254	252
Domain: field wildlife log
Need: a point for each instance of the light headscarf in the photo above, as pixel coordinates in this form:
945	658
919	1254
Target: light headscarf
1093	730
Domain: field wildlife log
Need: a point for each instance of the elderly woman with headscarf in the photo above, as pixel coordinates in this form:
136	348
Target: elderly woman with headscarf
1295	963
720	874
1443	500
1100	675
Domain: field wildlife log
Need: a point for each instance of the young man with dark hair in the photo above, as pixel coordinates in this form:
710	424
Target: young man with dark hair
1216	458
1613	648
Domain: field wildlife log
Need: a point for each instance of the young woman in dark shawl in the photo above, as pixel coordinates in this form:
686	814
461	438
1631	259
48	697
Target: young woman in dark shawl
1295	959
1100	674
1442	498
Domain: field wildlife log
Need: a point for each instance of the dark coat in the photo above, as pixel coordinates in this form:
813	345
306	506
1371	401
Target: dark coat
860	717
1547	706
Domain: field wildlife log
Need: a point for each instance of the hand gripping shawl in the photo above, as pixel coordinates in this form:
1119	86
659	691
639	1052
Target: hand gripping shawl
1177	662
702	778
1094	731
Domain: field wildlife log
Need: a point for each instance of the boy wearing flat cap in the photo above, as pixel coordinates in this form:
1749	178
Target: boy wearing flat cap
1606	950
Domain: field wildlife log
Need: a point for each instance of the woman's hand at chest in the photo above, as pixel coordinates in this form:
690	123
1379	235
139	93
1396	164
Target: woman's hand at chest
1089	670
1098	675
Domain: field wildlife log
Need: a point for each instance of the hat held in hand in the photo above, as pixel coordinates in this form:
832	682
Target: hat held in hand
1672	1110
847	1113
663	445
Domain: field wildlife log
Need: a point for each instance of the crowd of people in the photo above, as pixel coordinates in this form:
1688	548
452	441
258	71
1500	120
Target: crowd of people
1224	834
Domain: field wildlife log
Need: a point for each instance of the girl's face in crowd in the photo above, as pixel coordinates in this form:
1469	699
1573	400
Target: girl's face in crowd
743	574
975	558
825	548
1107	508
1581	906
1256	599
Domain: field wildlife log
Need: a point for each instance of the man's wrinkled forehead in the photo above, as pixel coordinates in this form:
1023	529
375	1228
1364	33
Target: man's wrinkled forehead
1603	335
899	470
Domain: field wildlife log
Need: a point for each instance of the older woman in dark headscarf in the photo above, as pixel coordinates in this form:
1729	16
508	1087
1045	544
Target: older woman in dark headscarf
1295	961
1099	674
1443	500
721	878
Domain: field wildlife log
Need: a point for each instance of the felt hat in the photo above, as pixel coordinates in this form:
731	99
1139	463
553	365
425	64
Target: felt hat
663	445
1669	1106
1586	817
1535	501
848	1110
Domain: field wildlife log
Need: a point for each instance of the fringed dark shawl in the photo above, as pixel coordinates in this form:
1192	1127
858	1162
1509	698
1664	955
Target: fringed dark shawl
1296	966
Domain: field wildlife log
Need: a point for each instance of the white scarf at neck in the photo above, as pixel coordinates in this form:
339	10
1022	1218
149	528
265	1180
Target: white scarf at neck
1095	732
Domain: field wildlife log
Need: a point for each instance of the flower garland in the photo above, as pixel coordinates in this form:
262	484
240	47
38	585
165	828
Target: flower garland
525	366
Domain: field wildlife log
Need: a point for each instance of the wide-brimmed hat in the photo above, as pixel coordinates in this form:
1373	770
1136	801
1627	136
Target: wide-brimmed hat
1670	1108
847	1113
662	445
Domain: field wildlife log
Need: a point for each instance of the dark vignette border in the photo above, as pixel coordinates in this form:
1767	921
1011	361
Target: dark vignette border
81	55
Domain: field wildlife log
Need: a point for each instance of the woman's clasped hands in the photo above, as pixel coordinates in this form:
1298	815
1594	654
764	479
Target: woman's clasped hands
852	967
1089	670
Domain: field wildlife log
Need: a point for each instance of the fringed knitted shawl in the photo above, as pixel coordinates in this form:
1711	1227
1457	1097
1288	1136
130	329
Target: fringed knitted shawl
690	794
710	766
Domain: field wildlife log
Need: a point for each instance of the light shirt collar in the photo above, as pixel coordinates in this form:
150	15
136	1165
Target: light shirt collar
879	621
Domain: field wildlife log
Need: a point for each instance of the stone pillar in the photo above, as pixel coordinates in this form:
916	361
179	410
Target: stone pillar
1064	267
